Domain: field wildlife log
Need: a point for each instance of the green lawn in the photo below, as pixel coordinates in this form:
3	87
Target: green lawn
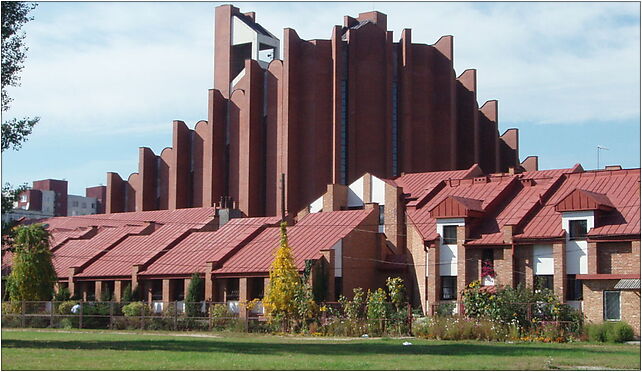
59	350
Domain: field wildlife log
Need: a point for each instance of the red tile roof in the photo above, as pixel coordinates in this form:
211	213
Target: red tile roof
315	232
192	253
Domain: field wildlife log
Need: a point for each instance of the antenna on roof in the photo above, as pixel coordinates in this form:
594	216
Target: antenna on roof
600	147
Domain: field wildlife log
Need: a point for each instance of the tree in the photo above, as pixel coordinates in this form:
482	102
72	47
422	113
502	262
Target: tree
195	294
284	284
32	275
14	15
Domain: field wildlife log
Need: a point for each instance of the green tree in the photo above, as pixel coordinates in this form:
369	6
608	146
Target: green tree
279	301
127	294
14	51
32	275
195	294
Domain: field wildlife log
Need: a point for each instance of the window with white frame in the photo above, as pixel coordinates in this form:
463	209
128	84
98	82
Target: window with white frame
612	310
450	234
23	198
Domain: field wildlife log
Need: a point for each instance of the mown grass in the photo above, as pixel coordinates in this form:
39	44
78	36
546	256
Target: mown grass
56	350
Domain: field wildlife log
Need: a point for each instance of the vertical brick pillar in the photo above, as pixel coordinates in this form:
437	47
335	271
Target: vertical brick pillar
72	284
244	296
135	284
592	258
367	188
328	254
210	284
528	266
98	289
461	261
186	283
167	291
118	290
83	286
559	264
433	285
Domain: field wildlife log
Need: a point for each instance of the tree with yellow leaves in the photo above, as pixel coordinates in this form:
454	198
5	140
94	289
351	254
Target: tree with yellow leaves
280	301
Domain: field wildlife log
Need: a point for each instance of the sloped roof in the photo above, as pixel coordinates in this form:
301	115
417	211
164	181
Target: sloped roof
486	192
415	184
186	216
192	253
315	232
75	253
622	187
525	202
135	250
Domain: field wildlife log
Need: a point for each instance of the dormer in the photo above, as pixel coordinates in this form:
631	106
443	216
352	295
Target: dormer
582	200
457	207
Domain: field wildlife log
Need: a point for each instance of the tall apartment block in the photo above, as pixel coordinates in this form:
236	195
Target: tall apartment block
326	113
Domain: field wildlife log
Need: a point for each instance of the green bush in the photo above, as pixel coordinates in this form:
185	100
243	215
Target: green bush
596	332
136	309
65	307
619	332
220	315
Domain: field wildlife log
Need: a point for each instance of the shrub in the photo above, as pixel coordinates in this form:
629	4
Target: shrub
619	332
65	307
376	312
445	309
194	296
62	294
136	309
596	332
220	315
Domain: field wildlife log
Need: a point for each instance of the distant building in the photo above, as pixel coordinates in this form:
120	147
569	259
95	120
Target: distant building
49	198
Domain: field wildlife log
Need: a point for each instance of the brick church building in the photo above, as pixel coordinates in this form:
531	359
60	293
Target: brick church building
390	168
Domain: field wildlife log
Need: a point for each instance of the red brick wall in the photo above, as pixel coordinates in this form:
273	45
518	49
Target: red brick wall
593	293
363	244
618	258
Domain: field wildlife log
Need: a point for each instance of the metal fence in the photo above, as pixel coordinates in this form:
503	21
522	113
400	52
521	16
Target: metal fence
204	315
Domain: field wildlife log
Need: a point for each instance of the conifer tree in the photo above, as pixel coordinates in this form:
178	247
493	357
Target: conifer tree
32	275
284	281
195	294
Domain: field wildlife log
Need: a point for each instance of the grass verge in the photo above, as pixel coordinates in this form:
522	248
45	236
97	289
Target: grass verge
59	350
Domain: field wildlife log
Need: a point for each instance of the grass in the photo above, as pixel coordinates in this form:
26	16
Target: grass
59	350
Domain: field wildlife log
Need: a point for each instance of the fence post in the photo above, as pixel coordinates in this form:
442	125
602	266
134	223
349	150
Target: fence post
176	315
111	314
209	316
142	316
51	319
81	309
247	319
23	311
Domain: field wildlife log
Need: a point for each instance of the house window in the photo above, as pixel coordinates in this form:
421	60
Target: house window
23	198
93	205
450	234
577	229
74	204
157	290
612	305
573	288
448	287
84	205
382	217
543	282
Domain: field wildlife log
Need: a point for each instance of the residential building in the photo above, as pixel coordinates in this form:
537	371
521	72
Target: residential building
49	198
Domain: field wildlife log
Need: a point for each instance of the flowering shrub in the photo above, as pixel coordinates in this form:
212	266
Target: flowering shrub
458	328
525	308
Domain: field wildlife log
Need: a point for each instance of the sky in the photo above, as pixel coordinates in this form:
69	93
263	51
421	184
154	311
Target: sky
107	78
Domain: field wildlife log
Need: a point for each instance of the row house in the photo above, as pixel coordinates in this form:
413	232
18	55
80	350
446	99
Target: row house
573	231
